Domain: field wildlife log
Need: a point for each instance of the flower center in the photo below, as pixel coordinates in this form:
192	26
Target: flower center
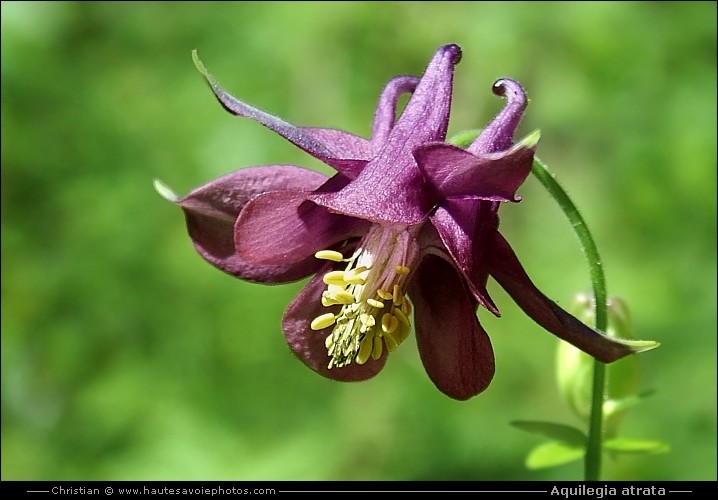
371	290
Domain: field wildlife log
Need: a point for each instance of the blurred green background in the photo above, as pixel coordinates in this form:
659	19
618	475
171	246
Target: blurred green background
126	356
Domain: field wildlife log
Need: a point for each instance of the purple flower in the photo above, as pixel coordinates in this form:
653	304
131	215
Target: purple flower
405	214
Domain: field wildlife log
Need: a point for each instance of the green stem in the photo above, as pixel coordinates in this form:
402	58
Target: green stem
592	465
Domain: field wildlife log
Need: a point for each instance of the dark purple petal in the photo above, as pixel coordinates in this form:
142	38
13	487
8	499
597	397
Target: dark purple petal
497	136
385	114
213	239
455	350
212	209
309	345
347	145
225	196
465	228
391	187
282	228
333	184
304	139
455	172
353	147
355	151
505	267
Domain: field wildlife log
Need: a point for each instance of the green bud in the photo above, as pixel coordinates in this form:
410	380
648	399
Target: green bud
574	372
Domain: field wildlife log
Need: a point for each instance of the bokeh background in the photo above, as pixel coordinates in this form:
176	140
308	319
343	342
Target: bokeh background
126	356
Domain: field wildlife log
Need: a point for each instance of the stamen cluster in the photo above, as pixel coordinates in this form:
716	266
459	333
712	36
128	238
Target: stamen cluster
374	309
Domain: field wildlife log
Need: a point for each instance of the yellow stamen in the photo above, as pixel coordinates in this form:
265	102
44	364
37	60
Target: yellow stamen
401	333
384	295
391	343
356	276
377	348
339	297
332	255
397	295
389	323
365	349
334	278
323	321
367	320
402	269
406	307
401	317
374	303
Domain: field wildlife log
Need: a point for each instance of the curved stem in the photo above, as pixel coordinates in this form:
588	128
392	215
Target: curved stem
592	465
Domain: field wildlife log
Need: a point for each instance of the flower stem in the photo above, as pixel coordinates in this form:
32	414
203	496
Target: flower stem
592	465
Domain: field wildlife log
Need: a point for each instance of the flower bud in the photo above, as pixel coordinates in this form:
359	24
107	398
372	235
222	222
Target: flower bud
574	372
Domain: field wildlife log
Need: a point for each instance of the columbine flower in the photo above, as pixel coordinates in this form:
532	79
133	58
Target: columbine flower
405	214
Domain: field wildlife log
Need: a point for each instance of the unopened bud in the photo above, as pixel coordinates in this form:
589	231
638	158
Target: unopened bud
574	372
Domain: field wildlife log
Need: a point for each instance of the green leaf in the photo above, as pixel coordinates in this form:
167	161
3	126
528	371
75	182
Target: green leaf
635	446
560	432
552	454
612	406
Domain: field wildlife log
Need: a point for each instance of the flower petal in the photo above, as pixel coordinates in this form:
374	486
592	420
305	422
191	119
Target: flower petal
458	173
465	228
225	196
505	267
497	136
283	228
385	114
212	209
391	187
309	345
351	146
454	348
309	140
354	151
